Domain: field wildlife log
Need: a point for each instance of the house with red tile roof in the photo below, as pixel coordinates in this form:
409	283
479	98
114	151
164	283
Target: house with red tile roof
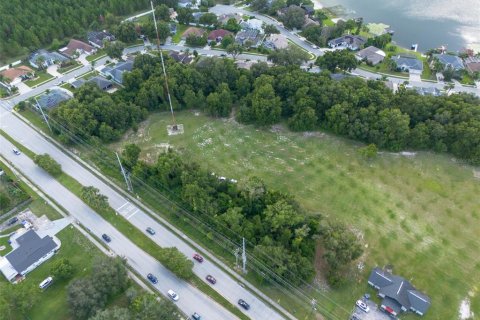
218	35
17	74
76	48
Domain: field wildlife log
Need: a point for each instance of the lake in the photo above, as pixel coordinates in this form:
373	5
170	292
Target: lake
430	23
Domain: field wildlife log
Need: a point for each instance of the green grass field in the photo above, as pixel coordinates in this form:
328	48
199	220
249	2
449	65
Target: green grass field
180	30
419	213
41	76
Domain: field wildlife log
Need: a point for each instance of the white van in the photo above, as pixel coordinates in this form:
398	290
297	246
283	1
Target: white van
173	295
46	283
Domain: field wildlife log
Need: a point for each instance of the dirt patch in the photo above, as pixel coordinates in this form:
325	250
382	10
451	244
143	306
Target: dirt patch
321	268
313	134
476	174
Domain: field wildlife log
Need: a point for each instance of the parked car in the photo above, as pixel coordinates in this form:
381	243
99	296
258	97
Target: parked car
198	257
152	278
16	151
150	230
106	237
196	316
362	305
12	221
223	55
173	295
45	283
243	304
211	279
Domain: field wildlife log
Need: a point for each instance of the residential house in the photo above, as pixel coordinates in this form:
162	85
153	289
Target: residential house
31	251
43	58
223	18
17	74
116	72
188	4
193	31
100	82
276	41
309	10
76	48
450	61
398	294
197	16
352	42
77	83
428	91
310	22
173	28
52	98
408	64
371	55
181	57
218	35
254	24
245	64
251	35
98	38
472	64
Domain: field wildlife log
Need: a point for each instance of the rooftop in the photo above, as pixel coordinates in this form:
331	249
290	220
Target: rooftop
450	61
16	72
53	98
75	45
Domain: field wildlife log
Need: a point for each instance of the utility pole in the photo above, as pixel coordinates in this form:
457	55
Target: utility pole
244	257
124	173
43	115
236	253
314	306
174	127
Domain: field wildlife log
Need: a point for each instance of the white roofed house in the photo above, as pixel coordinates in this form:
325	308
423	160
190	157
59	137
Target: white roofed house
255	24
276	41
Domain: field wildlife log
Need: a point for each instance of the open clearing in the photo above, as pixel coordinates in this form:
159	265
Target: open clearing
419	213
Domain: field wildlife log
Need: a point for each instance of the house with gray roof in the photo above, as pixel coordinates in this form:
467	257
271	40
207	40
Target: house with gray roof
252	35
98	38
31	252
52	98
48	58
371	55
352	42
116	72
450	61
408	64
398	294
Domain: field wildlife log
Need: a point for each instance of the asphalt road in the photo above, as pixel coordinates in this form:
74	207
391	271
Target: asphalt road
226	285
191	299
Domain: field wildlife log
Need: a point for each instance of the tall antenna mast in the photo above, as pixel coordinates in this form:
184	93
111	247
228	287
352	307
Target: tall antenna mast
163	66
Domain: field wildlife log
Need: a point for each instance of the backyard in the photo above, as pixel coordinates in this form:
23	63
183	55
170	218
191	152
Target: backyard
40	77
417	212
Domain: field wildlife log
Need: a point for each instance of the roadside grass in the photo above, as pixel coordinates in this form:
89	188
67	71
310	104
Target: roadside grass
41	76
420	214
180	30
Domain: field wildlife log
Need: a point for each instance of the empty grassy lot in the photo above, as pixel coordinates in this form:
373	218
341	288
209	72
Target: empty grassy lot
419	213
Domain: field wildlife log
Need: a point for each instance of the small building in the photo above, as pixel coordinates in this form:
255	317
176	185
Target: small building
98	38
255	24
193	31
77	83
223	18
309	10
430	91
31	252
398	294
252	35
181	57
450	61
371	55
352	42
218	35
76	48
43	58
408	64
116	72
52	98
472	64
197	16
17	74
100	82
276	41
188	4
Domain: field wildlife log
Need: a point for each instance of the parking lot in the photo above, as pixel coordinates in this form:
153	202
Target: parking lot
374	314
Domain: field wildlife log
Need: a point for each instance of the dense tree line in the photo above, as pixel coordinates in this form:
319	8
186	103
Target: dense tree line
30	25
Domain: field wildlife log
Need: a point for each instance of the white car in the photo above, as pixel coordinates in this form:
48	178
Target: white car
173	295
45	283
362	305
16	152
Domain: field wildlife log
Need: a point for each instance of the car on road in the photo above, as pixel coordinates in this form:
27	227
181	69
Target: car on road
173	295
211	279
150	230
106	237
196	316
12	221
223	55
362	305
16	151
152	278
243	304
198	257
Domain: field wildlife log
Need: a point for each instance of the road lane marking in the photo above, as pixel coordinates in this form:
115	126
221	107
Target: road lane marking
123	205
132	214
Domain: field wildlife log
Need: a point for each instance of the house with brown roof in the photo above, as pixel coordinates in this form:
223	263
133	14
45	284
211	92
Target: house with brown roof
276	41
17	74
193	31
218	35
76	48
472	64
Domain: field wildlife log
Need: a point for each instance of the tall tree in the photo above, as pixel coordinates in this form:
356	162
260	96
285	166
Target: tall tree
294	17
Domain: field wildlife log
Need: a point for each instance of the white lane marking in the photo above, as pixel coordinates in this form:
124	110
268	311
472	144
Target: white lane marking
123	205
132	214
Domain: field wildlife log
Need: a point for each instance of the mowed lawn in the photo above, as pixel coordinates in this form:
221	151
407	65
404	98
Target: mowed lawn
420	214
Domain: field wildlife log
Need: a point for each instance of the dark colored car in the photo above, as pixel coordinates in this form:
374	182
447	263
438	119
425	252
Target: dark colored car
106	237
152	278
12	221
16	152
211	279
196	316
150	230
198	257
243	304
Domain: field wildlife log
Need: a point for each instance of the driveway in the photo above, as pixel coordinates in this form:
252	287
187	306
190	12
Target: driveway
22	88
53	71
414	77
374	314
